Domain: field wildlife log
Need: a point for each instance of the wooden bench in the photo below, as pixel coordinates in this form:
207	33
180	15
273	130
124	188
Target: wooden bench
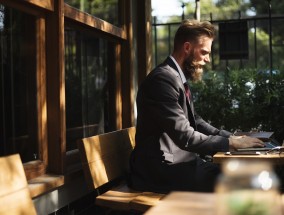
15	198
105	160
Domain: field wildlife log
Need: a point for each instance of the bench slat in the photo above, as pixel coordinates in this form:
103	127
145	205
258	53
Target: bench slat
145	200
118	198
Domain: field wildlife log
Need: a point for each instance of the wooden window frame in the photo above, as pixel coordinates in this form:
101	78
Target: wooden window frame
35	168
50	17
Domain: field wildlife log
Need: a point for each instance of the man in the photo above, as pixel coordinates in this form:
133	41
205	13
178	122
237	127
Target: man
169	134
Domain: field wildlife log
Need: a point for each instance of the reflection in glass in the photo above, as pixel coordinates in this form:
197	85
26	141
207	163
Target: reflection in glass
86	74
106	10
18	118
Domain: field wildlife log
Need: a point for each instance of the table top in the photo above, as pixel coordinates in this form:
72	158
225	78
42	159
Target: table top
275	159
179	203
193	203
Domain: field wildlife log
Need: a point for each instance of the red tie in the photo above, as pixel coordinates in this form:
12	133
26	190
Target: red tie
187	91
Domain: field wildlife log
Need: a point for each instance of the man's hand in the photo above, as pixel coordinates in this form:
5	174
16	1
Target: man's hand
240	142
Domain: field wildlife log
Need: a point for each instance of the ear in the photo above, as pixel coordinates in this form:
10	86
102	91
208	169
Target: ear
187	46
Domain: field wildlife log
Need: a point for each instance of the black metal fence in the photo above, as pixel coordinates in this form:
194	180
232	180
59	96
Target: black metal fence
263	51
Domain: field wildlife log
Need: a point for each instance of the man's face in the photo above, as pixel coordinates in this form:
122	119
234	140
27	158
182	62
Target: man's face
197	58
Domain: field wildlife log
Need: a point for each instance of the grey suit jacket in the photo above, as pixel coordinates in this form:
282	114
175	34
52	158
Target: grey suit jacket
168	130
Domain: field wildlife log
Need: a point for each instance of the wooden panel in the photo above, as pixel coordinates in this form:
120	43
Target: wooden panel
18	203
15	198
46	4
91	21
26	5
12	174
105	157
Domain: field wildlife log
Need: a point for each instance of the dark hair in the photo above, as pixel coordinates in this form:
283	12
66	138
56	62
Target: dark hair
191	30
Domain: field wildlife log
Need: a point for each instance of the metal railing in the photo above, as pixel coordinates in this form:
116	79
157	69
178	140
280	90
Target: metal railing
265	42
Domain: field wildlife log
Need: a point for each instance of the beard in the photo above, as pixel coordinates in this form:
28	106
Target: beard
192	70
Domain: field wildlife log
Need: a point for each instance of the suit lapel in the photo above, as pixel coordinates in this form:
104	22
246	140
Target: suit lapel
189	105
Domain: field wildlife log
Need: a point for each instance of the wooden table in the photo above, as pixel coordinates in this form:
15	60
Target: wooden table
188	203
179	203
275	159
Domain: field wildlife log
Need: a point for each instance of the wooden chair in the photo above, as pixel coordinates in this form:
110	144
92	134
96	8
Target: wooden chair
105	159
15	198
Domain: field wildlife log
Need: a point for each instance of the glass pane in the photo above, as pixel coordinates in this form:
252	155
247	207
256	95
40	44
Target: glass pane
106	10
18	84
86	74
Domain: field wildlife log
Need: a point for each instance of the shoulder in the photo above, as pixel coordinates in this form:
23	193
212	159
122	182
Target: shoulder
164	72
162	82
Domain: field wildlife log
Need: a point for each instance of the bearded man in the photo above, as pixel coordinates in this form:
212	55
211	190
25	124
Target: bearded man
170	135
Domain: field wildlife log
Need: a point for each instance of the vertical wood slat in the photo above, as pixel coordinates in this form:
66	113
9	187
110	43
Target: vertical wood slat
56	89
127	74
41	91
144	37
118	90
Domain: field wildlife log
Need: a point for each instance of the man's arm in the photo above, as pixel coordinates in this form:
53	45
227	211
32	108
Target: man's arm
235	142
206	128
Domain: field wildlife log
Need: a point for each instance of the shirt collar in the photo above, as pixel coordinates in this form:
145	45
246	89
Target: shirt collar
183	79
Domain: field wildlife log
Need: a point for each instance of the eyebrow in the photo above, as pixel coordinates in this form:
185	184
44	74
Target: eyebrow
205	50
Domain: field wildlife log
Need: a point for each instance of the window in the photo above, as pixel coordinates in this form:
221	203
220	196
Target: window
18	97
86	85
61	79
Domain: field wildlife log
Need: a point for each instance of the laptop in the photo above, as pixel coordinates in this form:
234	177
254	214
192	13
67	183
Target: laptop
266	137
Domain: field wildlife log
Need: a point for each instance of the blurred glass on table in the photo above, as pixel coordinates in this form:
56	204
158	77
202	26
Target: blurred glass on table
248	188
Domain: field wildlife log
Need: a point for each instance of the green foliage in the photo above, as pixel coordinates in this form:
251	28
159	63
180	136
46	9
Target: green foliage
221	9
242	99
261	7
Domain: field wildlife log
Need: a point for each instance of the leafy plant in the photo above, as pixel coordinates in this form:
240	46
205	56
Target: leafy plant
242	99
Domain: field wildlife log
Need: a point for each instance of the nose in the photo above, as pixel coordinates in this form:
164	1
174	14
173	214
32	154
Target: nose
207	59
